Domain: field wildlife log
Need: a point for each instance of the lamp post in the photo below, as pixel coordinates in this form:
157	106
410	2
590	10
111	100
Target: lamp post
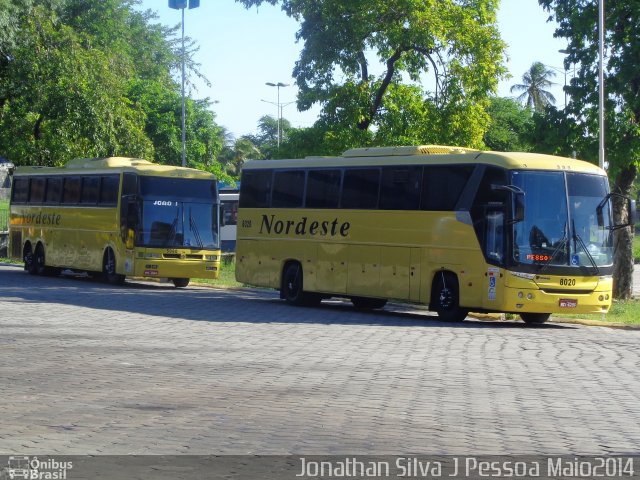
181	5
601	159
278	85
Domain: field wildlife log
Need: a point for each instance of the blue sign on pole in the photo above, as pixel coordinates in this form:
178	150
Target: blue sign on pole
178	4
194	3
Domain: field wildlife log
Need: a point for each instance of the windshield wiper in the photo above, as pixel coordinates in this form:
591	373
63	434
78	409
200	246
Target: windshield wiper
561	245
578	239
194	229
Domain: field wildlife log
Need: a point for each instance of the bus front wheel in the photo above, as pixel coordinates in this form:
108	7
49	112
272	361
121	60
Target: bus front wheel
292	287
109	268
534	318
445	298
180	282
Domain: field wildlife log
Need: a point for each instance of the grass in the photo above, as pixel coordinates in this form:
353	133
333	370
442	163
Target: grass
626	312
636	247
227	276
4	214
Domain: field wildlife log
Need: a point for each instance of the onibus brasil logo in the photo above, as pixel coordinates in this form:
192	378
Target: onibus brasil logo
24	467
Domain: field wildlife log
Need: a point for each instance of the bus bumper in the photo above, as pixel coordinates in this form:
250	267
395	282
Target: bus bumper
178	268
519	300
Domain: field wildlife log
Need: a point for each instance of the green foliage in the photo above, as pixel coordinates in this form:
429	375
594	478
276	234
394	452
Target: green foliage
533	85
510	126
453	42
86	79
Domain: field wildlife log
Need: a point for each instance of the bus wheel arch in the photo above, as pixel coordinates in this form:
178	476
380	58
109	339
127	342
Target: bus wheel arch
445	297
109	268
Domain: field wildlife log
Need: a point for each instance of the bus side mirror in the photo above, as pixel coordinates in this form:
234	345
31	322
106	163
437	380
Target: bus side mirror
132	215
518	207
600	216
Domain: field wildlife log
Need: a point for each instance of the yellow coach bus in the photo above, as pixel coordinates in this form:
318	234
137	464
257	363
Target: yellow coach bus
116	216
457	229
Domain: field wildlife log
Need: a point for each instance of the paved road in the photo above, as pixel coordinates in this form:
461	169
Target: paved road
146	368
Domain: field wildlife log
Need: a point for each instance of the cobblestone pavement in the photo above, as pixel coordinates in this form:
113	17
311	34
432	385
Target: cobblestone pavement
149	369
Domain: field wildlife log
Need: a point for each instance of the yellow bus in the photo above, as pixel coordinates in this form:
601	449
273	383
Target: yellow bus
457	229
116	216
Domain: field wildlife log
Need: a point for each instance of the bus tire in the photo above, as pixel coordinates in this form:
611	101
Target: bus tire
366	303
37	266
534	318
109	268
292	284
29	259
180	282
445	298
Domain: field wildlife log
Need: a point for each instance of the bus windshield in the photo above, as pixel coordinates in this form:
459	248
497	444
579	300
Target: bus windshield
191	222
560	227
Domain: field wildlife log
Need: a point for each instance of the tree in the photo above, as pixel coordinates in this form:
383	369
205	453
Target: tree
533	85
578	23
80	78
510	126
455	42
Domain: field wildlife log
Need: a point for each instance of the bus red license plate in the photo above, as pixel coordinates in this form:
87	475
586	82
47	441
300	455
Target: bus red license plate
568	303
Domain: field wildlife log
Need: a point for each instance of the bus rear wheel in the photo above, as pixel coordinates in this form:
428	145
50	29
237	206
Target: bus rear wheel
534	318
109	269
365	303
180	282
445	298
34	262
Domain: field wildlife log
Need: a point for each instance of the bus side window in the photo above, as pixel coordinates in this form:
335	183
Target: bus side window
360	188
71	190
20	192
443	185
400	188
323	188
288	189
255	189
109	190
54	191
90	190
38	185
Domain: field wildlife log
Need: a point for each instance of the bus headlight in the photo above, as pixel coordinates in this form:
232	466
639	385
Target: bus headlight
152	255
520	295
530	296
211	258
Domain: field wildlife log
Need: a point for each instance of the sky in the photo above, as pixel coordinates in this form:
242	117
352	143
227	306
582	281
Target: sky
241	50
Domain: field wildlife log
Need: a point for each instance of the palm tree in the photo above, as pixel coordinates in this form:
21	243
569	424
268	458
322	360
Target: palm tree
533	85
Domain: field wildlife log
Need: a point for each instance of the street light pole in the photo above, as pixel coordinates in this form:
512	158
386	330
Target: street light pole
601	157
279	109
181	5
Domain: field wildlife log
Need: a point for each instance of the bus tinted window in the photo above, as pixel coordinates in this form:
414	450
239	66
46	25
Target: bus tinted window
323	188
288	189
170	188
109	190
38	185
255	189
71	190
90	190
487	195
54	190
20	190
400	189
360	188
443	185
